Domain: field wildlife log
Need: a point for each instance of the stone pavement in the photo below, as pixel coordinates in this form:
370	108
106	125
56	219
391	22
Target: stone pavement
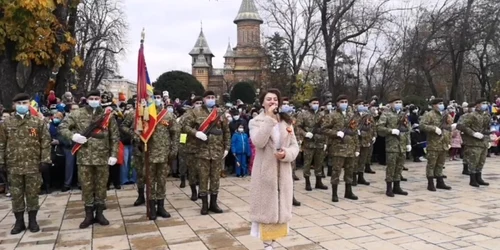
465	218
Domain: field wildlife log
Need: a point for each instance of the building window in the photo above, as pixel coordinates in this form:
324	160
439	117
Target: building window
200	71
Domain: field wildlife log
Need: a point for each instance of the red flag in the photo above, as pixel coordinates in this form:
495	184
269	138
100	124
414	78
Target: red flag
145	115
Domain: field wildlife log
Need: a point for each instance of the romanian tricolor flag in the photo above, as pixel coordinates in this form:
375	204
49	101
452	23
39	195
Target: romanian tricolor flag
146	115
34	108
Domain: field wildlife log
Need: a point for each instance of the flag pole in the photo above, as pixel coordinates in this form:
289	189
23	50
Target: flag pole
146	157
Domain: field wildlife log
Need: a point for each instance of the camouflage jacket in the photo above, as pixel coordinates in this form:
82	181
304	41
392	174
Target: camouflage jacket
190	146
97	150
428	123
24	144
366	128
470	123
338	122
214	147
308	121
390	120
327	116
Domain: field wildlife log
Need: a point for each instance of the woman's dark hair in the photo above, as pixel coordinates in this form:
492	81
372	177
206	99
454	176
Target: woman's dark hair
282	115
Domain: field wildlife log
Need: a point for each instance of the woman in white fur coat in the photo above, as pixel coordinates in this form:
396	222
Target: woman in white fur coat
271	187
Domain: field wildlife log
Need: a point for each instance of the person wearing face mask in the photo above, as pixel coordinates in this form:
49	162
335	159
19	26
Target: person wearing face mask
211	129
24	152
240	148
476	129
308	126
98	151
367	137
329	111
342	128
54	176
437	124
395	127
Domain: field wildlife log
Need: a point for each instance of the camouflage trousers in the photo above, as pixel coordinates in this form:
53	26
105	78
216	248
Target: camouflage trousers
209	171
363	159
94	180
347	163
183	166
190	163
369	157
476	157
315	157
28	186
435	162
395	164
158	177
138	160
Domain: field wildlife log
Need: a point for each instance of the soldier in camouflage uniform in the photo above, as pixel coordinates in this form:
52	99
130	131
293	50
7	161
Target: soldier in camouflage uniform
98	151
286	108
468	110
314	144
437	124
24	150
394	126
476	129
342	128
329	111
212	145
366	139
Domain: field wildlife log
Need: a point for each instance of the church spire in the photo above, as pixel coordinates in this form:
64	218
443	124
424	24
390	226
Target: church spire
229	50
248	12
201	45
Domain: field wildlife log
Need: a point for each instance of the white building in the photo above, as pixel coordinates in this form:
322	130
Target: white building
119	85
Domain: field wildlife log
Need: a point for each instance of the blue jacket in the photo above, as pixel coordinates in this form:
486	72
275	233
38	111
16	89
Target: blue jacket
240	144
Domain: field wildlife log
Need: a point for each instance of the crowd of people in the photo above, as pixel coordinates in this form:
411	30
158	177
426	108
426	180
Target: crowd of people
96	143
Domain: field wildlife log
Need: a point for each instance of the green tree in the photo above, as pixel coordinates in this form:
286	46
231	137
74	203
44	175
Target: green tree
305	90
280	69
178	84
243	91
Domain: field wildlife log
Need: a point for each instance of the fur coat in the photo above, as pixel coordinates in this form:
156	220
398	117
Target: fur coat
271	187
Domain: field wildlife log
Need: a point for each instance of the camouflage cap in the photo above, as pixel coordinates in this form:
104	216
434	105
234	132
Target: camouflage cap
21	97
436	101
341	97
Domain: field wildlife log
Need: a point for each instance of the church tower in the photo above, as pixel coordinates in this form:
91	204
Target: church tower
201	60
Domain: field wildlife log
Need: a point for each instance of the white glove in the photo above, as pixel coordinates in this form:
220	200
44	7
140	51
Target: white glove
309	135
324	147
340	134
408	148
453	126
438	131
478	135
225	153
489	145
395	132
202	136
112	161
356	154
374	139
449	146
359	132
78	138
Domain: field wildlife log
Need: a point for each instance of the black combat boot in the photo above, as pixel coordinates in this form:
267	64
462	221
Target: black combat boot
319	184
361	179
323	172
388	190
397	189
329	170
295	202
405	169
335	197
348	192
19	226
440	184
480	180
32	224
430	184
99	216
213	204
295	177
204	205
403	179
465	171
89	217
194	193
183	181
473	180
355	179
161	209
308	184
368	169
140	199
152	210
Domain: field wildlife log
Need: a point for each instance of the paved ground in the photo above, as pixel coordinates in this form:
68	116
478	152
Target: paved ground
465	218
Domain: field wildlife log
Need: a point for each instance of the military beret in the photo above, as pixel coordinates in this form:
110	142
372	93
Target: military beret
327	101
341	97
169	104
313	99
21	97
94	93
157	92
471	105
396	98
358	101
197	99
207	93
436	101
481	100
284	99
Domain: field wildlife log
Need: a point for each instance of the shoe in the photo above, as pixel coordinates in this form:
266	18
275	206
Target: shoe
152	210
308	184
204	205
161	209
473	180
32	224
440	184
405	169
403	179
480	180
361	179
319	184
368	169
389	191
421	158
295	202
194	193
465	170
417	160
89	217
295	177
99	216
348	192
140	199
222	175
183	181
19	226
118	187
65	189
213	205
335	197
397	189
430	184
329	170
238	176
354	179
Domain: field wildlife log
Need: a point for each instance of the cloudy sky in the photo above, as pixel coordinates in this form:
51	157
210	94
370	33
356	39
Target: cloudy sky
172	27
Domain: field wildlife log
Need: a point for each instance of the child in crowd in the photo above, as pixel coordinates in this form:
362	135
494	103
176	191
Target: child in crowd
456	144
240	146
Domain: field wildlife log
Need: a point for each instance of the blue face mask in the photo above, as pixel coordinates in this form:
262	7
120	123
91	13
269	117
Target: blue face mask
315	107
484	107
398	106
440	107
94	103
362	108
286	108
170	110
210	103
22	109
56	120
343	106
